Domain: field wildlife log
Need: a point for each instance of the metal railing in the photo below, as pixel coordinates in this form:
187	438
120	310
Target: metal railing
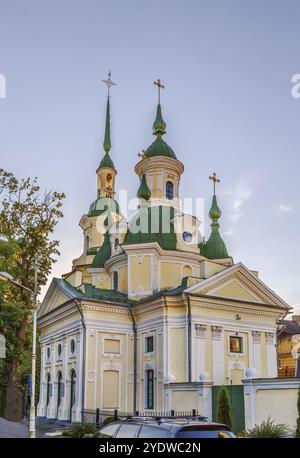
99	417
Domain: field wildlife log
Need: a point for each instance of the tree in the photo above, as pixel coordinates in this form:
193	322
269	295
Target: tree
298	419
224	414
27	222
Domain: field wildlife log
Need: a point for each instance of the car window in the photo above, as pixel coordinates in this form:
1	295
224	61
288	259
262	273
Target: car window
128	431
204	433
153	431
109	430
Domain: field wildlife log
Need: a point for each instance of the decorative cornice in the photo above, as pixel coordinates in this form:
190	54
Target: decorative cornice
216	332
200	330
256	337
232	308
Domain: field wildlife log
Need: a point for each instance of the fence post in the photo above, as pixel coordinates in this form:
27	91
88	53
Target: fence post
115	415
172	413
194	412
97	418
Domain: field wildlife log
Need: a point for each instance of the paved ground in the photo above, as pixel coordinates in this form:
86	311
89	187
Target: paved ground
19	430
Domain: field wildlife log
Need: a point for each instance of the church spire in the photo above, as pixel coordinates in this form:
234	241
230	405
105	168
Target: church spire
106	161
215	247
159	125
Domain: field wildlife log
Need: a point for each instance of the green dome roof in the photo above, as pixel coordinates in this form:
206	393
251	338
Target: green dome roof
160	148
215	247
106	162
139	228
144	191
104	253
103	204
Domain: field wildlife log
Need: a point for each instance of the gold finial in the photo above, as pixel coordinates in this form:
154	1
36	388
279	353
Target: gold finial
159	87
109	83
215	180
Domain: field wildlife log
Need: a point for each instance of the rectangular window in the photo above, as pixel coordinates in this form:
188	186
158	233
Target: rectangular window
150	389
236	344
149	344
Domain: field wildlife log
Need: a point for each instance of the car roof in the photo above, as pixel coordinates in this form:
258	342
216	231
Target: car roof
167	423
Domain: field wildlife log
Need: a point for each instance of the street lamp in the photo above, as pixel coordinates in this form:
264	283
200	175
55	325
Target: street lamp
7	277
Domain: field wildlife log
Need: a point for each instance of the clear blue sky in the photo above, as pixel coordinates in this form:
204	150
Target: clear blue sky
227	67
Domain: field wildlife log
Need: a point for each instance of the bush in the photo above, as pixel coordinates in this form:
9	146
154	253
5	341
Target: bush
267	429
108	420
224	414
81	430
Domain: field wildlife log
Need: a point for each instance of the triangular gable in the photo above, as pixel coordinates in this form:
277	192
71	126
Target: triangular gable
55	296
237	282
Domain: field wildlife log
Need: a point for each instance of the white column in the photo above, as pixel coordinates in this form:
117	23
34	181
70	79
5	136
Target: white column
256	346
52	407
249	403
41	408
271	355
199	364
218	355
77	408
205	393
63	407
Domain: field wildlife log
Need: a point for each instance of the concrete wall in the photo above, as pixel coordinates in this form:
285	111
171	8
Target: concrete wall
276	397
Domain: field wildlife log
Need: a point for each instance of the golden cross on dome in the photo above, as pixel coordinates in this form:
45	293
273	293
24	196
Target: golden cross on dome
159	87
109	83
215	180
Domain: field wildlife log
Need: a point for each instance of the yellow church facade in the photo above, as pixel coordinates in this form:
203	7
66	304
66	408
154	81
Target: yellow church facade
151	315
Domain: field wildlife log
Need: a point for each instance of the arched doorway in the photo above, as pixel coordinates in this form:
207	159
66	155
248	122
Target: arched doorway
59	390
72	391
48	378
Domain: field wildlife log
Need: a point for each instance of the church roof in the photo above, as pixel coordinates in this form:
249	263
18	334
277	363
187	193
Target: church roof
147	220
102	204
215	247
159	147
104	252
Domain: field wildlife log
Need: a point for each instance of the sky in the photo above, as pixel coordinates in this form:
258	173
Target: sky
227	68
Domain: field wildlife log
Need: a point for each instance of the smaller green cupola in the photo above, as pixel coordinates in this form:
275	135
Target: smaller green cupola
144	191
104	252
215	247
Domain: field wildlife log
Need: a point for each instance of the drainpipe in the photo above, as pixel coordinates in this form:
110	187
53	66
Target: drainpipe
134	360
189	339
83	357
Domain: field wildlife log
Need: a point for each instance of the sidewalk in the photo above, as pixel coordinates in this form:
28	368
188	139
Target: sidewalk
10	429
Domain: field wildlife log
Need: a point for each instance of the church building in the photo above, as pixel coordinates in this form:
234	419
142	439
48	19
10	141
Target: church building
151	315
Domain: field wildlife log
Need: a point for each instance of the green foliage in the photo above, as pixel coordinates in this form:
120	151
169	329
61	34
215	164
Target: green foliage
27	222
267	429
108	420
297	433
81	430
224	414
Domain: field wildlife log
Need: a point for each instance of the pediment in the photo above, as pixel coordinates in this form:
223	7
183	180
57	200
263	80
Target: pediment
55	296
238	283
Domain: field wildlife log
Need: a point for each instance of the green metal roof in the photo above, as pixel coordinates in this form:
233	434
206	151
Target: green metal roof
103	204
215	247
106	162
152	224
159	147
104	253
144	191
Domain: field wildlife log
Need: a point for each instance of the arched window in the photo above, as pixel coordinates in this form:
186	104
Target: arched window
59	389
186	271
115	280
48	378
169	190
73	391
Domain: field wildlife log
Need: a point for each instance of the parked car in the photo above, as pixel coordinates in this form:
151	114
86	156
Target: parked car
150	427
